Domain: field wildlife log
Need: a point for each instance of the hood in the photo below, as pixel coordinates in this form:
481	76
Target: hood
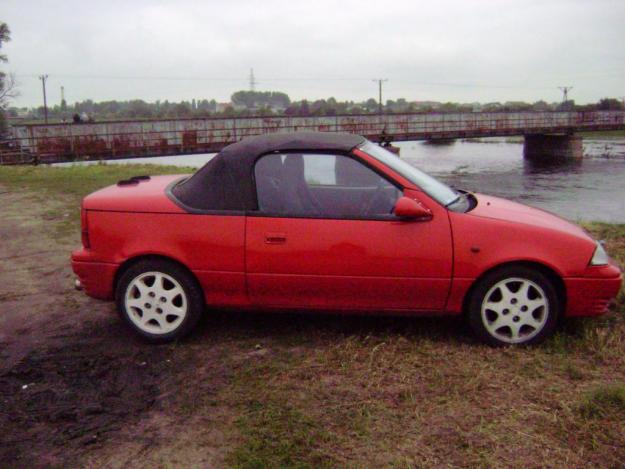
144	195
506	210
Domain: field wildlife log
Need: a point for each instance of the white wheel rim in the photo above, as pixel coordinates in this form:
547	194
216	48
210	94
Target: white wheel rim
155	302
515	310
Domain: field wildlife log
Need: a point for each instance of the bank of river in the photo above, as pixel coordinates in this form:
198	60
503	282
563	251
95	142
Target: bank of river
588	189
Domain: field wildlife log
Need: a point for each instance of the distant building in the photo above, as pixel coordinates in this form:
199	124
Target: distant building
491	106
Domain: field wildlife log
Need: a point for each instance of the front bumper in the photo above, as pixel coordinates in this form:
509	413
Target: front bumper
95	278
591	295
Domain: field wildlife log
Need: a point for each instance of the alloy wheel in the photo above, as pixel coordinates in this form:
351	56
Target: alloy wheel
156	302
515	310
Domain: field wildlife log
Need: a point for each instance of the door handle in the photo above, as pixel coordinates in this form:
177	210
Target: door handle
275	238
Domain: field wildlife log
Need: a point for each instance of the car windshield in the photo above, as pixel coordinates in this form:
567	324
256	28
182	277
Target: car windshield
440	192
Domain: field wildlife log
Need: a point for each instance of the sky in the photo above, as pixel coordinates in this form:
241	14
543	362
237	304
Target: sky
442	50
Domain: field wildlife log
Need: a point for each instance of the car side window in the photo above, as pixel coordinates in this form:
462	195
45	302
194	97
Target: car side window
322	186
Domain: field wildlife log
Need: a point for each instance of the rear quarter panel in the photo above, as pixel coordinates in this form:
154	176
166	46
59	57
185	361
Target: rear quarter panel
211	246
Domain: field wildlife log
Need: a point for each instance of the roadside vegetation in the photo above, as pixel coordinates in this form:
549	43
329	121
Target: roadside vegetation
617	134
282	390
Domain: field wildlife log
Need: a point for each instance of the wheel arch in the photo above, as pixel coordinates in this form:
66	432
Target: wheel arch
128	263
552	275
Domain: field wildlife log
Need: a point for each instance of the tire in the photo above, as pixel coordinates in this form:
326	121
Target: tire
160	300
514	305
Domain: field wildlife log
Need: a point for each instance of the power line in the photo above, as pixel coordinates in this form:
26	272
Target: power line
276	79
297	79
137	77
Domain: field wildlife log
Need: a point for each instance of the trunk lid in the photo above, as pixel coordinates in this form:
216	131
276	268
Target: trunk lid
140	195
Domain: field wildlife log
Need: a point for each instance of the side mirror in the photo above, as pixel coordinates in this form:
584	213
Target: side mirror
411	209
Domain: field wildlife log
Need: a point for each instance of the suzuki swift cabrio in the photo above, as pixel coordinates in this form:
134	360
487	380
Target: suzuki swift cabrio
333	222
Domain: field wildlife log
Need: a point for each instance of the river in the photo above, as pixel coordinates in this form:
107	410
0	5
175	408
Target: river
590	189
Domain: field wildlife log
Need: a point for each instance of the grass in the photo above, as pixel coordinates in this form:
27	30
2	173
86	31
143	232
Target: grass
603	134
407	394
278	435
305	391
76	181
603	402
68	185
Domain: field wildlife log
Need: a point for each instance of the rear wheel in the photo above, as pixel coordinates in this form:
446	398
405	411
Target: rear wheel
514	305
160	300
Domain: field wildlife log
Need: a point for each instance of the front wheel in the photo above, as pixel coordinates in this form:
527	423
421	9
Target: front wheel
513	306
160	300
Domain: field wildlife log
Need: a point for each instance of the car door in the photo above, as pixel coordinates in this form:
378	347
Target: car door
324	237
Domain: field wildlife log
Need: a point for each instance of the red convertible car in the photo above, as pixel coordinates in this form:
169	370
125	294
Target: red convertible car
333	222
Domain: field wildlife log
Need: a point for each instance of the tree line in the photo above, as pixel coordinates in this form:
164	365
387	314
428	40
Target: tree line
243	104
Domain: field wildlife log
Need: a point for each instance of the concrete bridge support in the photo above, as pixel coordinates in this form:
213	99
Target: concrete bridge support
552	147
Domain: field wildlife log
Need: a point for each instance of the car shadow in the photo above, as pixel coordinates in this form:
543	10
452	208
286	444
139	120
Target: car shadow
307	326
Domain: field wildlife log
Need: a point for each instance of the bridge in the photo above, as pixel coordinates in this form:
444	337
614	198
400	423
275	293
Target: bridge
546	133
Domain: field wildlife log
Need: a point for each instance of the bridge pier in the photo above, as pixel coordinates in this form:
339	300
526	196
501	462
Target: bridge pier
552	147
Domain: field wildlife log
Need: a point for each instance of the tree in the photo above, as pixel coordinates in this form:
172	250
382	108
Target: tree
5	36
371	105
541	105
183	109
609	104
260	99
7	82
304	109
291	111
317	108
567	105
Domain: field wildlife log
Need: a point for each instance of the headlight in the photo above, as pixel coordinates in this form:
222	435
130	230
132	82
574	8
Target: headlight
600	257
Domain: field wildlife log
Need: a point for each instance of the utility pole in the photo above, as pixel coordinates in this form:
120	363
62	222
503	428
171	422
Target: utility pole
380	81
253	81
43	79
63	102
565	93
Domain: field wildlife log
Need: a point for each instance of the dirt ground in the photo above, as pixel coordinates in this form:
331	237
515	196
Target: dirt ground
77	388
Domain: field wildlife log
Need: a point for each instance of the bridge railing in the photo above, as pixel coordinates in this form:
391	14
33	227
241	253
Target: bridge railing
122	139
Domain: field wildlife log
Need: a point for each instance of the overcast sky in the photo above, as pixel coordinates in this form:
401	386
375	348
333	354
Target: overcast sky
444	50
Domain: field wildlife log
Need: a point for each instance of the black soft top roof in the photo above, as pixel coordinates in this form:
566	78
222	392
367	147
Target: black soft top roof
225	182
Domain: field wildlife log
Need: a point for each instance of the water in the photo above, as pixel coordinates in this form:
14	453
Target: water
591	189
